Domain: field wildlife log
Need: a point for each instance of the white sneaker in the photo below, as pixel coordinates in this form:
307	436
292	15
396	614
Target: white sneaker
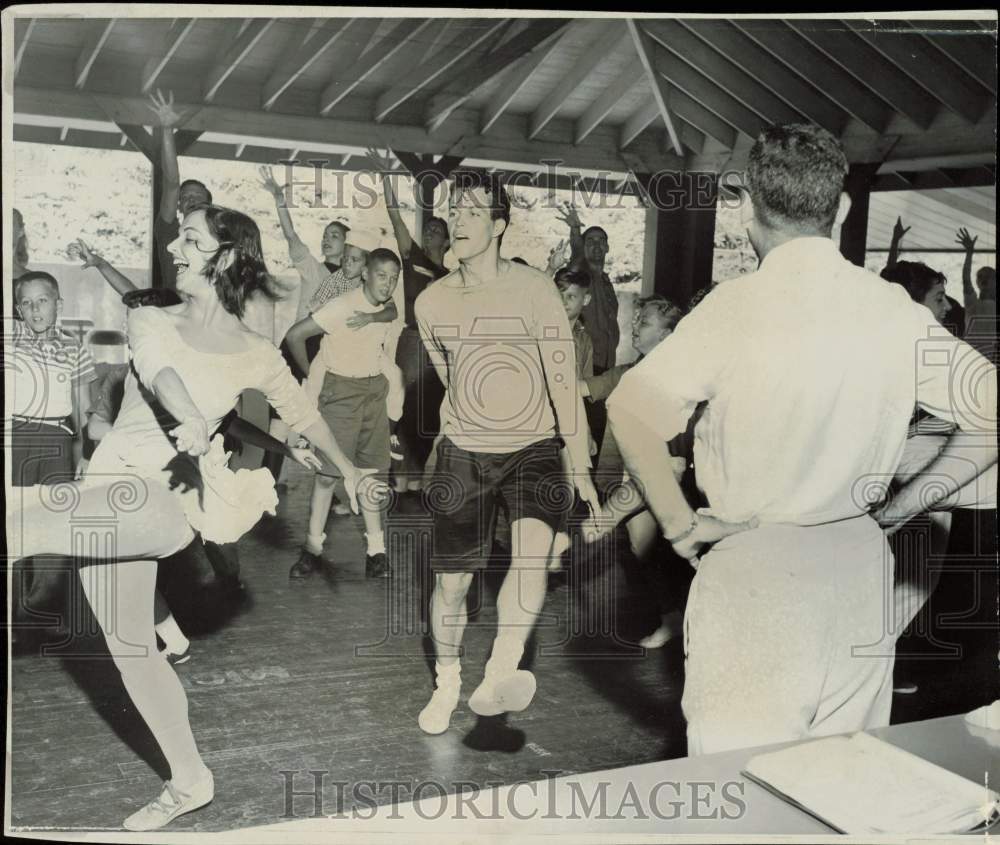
503	693
171	804
436	716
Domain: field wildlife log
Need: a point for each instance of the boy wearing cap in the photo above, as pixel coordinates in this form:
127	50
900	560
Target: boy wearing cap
348	381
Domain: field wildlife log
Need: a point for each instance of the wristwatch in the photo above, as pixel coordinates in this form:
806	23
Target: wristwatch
686	532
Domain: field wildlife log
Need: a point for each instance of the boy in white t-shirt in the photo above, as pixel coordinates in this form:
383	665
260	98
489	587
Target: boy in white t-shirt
347	380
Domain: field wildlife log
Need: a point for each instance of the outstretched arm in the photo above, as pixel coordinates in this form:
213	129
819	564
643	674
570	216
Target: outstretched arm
572	219
381	166
168	118
968	243
897	238
119	281
277	191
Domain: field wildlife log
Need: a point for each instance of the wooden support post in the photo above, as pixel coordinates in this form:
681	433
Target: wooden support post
427	175
854	231
684	205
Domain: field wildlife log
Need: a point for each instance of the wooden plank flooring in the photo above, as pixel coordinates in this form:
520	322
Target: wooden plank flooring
329	675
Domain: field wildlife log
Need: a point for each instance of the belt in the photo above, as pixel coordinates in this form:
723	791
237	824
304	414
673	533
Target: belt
54	422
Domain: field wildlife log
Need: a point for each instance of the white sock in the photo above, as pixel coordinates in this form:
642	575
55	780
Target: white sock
376	542
448	675
506	654
314	543
172	636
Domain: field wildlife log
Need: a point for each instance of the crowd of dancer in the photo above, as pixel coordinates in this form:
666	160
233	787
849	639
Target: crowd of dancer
740	440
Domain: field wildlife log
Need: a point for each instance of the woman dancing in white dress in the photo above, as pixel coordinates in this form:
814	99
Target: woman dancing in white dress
190	363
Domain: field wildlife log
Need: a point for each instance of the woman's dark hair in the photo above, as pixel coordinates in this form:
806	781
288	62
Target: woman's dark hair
915	276
955	319
246	274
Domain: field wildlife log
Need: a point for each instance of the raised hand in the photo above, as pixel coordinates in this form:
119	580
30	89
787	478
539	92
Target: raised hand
164	109
569	216
269	183
965	240
557	257
80	249
899	230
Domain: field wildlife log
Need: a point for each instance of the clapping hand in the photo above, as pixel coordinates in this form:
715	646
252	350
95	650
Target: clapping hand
965	240
164	110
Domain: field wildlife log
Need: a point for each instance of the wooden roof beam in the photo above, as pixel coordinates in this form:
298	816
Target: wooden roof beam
23	27
869	67
758	63
722	72
518	48
967	46
172	36
608	99
99	32
707	94
459	47
610	36
646	51
357	68
319	41
646	115
517	79
829	78
252	32
925	66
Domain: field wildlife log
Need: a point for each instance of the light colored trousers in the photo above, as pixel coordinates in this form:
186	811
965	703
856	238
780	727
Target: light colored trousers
778	633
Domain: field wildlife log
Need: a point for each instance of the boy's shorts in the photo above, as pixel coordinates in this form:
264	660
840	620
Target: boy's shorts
354	409
468	488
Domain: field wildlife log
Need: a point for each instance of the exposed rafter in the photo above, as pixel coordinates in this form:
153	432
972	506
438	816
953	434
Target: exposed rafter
647	53
967	46
915	57
23	29
172	38
354	68
608	99
515	81
482	70
319	41
829	78
647	114
459	47
869	67
610	37
99	32
235	54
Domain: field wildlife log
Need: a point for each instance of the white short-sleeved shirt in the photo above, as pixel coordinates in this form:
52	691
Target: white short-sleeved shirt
44	371
355	353
489	341
811	368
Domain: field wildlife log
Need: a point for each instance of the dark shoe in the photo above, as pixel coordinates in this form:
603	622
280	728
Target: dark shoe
306	565
377	566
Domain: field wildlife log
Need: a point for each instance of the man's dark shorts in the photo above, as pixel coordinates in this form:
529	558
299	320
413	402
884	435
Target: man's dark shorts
468	488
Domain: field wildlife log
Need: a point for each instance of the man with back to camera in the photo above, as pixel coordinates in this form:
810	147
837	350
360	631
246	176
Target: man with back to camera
811	367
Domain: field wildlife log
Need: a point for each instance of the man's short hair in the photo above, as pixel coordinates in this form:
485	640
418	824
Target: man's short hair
590	229
200	184
796	176
492	185
35	276
565	277
440	222
382	254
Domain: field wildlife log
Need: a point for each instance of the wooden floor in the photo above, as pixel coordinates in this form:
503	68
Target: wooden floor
329	676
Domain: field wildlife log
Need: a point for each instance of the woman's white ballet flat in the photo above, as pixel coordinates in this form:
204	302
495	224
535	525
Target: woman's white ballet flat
171	804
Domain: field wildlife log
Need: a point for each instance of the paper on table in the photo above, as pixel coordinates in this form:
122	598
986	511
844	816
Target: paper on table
860	784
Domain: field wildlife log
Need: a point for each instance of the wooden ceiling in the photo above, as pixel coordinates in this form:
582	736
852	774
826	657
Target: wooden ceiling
596	94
